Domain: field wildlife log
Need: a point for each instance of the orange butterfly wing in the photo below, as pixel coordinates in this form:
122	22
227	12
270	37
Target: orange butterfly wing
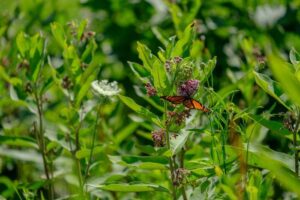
174	99
193	104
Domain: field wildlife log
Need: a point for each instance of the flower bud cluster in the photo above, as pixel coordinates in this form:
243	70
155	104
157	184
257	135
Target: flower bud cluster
188	88
158	138
151	91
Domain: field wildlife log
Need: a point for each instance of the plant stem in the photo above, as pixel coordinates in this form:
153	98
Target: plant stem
93	144
77	148
223	150
77	161
295	132
41	143
170	159
182	166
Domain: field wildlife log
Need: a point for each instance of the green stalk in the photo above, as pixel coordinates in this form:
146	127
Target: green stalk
224	151
182	166
93	145
39	132
77	148
77	161
295	132
170	159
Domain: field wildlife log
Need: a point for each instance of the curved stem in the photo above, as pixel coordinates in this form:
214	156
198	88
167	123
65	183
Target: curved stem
77	148
295	145
170	159
39	132
93	144
184	195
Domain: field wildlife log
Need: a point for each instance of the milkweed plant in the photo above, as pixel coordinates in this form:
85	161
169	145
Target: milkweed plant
171	132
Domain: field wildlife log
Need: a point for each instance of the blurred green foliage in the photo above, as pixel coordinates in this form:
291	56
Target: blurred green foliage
244	53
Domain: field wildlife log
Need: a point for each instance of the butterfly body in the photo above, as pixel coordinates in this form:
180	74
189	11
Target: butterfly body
187	101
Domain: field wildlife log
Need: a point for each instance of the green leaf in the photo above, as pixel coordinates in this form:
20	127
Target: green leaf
21	154
125	132
89	51
139	71
91	71
23	44
208	68
183	44
271	87
129	159
12	80
272	125
159	76
178	143
83	90
283	73
295	59
146	56
18	141
159	35
279	164
84	153
36	56
141	110
132	187
58	33
81	28
150	100
141	162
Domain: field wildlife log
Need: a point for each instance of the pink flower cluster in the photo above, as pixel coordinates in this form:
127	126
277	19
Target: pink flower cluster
151	91
158	138
188	88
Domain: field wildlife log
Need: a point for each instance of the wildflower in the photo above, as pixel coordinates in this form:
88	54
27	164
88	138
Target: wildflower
259	56
83	65
179	117
24	65
87	35
158	138
66	83
5	61
168	64
28	88
105	88
180	176
188	88
177	59
151	91
289	122
185	72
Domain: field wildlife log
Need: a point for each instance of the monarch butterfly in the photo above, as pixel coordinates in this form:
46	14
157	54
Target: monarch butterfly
187	102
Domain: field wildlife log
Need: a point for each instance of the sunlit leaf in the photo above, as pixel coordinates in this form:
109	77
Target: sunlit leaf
146	56
271	87
286	77
18	141
178	143
132	187
125	132
58	33
141	110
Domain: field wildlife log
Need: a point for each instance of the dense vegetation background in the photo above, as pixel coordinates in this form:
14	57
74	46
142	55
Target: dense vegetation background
64	135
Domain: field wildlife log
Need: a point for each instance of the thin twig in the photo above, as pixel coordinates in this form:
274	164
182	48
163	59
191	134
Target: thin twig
295	132
184	195
170	159
93	144
41	143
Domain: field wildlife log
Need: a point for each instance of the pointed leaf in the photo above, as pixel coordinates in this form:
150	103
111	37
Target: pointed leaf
271	87
283	73
141	110
178	143
142	187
